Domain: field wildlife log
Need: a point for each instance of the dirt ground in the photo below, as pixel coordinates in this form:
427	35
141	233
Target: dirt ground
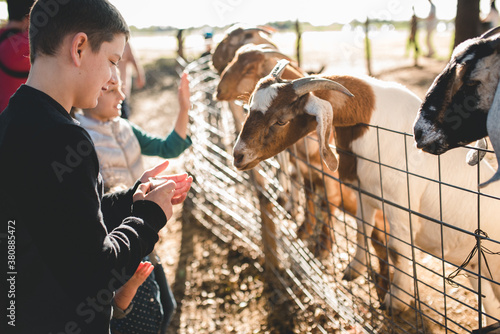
218	287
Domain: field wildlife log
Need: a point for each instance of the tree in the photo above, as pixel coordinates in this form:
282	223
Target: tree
467	22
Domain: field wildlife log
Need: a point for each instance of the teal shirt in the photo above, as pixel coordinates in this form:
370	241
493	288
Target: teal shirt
170	147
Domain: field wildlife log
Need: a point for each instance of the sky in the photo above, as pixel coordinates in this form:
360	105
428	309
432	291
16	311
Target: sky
187	13
219	13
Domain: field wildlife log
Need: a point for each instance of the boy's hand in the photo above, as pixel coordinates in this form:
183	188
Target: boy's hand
161	195
182	185
173	191
183	94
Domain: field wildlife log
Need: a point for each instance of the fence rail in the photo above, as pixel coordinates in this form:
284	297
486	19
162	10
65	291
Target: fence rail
262	211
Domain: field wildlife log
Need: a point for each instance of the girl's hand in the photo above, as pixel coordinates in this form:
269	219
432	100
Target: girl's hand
183	94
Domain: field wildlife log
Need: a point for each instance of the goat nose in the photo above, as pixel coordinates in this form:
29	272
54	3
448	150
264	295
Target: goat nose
418	134
238	158
217	95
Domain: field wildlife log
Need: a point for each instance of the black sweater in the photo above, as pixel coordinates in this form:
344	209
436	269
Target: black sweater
70	246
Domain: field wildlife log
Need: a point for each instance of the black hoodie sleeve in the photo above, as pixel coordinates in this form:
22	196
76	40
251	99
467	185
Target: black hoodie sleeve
72	227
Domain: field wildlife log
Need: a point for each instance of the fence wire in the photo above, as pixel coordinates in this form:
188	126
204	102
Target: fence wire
267	210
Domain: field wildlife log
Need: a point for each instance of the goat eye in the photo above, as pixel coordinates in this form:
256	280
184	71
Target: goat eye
472	83
280	123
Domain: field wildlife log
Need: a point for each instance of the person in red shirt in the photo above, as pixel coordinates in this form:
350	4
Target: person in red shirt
14	50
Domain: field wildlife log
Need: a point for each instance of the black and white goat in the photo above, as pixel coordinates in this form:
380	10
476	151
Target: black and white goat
463	103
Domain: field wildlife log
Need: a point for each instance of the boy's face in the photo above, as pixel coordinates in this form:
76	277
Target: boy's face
99	71
109	104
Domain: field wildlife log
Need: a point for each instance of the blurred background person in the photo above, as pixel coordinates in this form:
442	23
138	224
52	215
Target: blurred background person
14	49
208	36
128	66
412	42
431	24
492	19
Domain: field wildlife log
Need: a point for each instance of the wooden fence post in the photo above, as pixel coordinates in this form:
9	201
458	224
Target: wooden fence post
299	40
180	44
368	51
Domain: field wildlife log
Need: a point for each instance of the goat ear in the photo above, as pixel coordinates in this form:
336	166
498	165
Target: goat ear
235	36
252	67
323	112
493	129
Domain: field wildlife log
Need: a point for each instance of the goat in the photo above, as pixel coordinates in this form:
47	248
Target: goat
235	37
251	62
400	176
239	78
463	103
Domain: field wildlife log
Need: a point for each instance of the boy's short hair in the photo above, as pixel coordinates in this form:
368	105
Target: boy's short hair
19	9
52	20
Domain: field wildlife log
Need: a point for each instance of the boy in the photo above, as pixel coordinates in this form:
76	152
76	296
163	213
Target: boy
70	246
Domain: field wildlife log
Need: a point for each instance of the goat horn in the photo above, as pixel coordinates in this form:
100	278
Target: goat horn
493	129
279	68
475	155
303	86
491	32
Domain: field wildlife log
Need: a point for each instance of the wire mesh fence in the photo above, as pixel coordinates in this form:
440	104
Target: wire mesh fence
284	211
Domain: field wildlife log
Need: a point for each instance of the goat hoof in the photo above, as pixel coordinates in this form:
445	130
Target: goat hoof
349	275
303	232
395	308
322	252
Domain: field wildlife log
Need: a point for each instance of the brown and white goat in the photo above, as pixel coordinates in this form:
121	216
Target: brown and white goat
250	64
463	103
235	37
391	173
